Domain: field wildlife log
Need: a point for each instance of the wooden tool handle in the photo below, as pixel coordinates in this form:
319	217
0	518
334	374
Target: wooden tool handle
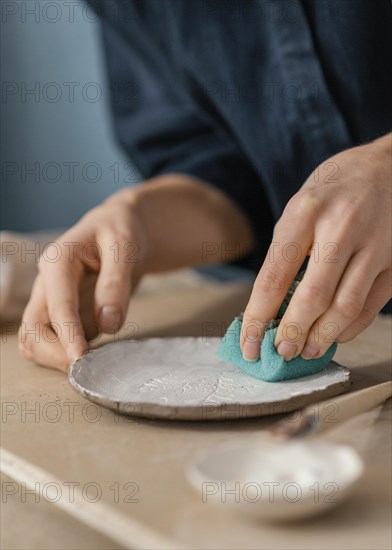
342	408
126	531
327	414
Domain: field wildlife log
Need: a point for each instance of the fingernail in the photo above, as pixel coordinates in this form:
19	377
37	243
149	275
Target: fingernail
309	352
110	317
251	350
287	350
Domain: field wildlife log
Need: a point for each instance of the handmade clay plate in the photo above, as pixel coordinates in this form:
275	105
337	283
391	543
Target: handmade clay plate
184	379
275	481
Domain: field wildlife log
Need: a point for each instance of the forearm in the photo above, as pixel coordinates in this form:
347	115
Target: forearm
186	223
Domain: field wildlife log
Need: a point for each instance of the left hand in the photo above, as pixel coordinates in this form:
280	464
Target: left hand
341	217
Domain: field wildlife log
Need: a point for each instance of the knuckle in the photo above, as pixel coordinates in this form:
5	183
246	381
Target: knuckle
348	306
122	235
271	281
120	232
113	284
304	203
67	308
367	316
314	296
351	214
344	217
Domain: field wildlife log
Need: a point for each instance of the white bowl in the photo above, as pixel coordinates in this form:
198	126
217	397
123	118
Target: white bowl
276	481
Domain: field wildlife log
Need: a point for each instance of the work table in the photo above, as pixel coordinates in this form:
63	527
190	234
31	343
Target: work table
143	460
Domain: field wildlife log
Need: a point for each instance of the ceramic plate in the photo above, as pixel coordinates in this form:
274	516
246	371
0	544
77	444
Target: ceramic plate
184	379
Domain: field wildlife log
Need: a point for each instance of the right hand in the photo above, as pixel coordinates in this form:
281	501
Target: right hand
87	290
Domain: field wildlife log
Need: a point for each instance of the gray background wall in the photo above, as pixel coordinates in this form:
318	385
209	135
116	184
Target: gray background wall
55	119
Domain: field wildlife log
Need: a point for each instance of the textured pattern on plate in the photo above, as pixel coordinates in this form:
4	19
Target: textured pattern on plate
184	379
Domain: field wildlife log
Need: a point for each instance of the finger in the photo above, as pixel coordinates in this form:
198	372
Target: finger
313	295
285	256
37	341
379	295
347	304
61	282
86	307
47	352
113	286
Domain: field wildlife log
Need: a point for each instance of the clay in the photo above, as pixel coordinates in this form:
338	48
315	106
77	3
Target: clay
184	379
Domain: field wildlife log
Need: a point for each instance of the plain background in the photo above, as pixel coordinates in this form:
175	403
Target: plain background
58	154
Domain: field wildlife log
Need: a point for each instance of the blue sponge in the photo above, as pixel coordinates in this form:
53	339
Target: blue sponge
271	367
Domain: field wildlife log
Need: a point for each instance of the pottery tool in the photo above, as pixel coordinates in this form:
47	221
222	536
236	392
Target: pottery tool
185	379
327	414
290	478
103	518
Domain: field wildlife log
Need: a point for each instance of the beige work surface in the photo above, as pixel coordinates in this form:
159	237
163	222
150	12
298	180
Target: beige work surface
78	442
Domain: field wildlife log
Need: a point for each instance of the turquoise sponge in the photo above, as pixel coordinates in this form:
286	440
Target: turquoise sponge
271	367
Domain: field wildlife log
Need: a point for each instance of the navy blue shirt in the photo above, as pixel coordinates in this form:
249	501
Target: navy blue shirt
248	95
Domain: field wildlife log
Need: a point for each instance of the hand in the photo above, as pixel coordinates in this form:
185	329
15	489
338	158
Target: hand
87	290
161	225
341	218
